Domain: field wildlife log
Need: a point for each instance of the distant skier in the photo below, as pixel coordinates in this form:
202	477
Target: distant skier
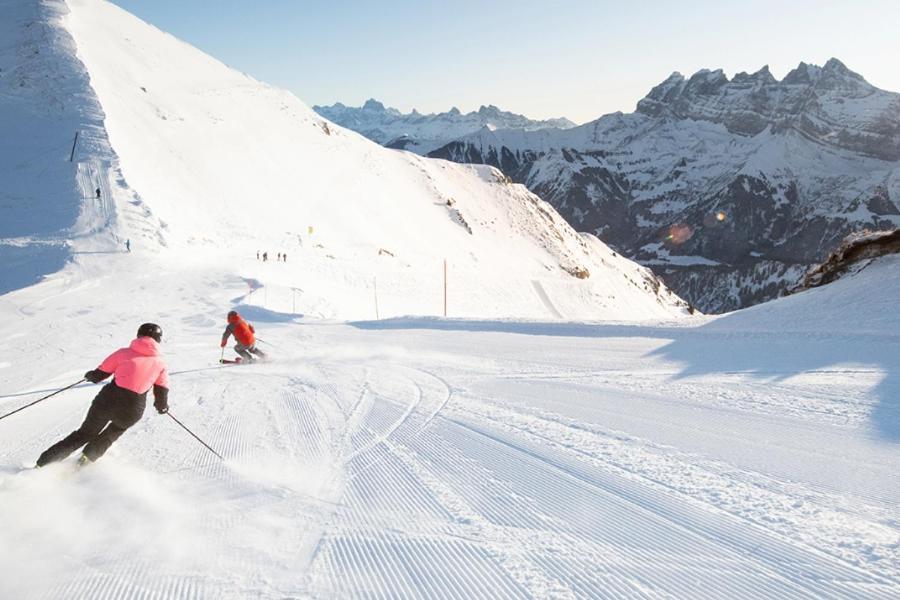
279	257
265	256
120	404
284	257
245	336
257	255
128	245
98	193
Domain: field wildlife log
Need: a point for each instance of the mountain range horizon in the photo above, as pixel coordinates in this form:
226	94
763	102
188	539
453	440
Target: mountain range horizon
764	73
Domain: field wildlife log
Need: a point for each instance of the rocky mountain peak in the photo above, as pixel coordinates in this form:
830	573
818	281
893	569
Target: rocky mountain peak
762	77
706	83
836	76
804	74
489	111
834	72
662	95
834	65
373	105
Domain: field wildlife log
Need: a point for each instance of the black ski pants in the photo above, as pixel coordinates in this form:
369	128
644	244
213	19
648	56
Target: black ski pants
113	411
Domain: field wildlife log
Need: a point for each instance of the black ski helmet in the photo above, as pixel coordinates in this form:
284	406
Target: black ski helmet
150	330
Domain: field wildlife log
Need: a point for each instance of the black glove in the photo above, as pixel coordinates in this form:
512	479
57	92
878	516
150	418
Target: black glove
160	399
96	376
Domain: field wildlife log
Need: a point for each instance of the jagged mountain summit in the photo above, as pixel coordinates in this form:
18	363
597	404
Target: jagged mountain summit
423	133
831	105
186	157
729	188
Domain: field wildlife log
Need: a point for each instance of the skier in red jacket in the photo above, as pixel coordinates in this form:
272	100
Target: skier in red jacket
120	404
245	336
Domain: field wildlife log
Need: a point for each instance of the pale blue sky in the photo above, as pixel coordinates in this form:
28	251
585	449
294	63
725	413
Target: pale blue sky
578	58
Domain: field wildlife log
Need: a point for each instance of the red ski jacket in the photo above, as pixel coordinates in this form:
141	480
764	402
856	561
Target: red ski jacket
242	330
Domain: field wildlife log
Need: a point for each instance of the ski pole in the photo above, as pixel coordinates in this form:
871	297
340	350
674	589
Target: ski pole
42	399
195	436
222	357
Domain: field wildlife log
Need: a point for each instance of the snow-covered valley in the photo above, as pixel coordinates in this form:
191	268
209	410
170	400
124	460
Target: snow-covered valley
568	430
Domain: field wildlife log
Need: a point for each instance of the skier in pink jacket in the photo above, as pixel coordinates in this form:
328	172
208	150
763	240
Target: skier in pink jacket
121	402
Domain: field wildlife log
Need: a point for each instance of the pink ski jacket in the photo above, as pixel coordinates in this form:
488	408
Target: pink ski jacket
138	367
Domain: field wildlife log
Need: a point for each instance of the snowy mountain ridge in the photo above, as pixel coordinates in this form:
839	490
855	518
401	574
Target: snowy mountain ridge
730	189
422	133
830	105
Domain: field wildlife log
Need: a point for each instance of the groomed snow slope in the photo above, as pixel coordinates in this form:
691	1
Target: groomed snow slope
230	165
752	455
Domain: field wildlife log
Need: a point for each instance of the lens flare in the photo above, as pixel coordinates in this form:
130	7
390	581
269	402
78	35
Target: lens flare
721	216
678	234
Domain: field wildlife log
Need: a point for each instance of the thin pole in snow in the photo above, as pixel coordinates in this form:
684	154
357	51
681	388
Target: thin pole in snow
194	435
294	291
375	288
72	154
41	399
445	287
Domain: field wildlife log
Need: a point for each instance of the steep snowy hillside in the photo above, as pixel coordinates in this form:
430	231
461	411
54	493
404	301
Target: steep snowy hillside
203	159
730	189
424	133
48	202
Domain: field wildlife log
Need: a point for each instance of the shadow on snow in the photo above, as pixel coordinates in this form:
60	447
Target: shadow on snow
740	342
